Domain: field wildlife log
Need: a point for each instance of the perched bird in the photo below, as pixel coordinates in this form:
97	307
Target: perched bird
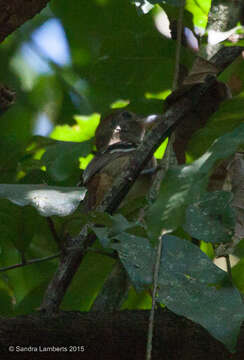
116	137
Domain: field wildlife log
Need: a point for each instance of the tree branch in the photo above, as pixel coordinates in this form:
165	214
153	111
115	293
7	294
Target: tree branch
29	262
111	335
15	13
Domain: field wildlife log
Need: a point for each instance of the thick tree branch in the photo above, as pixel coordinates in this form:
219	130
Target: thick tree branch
14	13
175	115
110	335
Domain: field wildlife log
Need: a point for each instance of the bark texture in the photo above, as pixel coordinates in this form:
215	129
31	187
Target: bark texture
14	13
112	335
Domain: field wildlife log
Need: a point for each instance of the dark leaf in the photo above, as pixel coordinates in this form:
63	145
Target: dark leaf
211	219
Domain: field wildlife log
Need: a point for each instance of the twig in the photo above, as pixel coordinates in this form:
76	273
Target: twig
54	232
29	262
155	287
228	265
164	164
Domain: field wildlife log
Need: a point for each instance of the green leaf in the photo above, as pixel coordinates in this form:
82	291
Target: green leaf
188	286
6	307
23	280
114	225
119	104
118	65
48	200
131	207
189	283
226	119
12	151
32	300
137	301
172	12
61	159
199	11
183	185
87	282
238	275
18	226
208	249
137	256
211	219
170	2
83	130
103	235
239	249
161	150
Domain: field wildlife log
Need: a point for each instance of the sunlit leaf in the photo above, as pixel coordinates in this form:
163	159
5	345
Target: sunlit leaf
119	104
48	200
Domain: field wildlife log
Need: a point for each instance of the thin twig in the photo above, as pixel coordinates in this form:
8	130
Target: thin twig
228	265
164	164
54	232
155	287
30	262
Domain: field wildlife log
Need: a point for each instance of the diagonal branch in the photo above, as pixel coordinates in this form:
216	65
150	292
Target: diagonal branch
175	115
15	13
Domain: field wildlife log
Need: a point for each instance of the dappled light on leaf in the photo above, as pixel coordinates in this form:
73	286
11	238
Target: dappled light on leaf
48	200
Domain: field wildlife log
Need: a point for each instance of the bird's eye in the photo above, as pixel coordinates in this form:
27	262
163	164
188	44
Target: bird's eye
126	115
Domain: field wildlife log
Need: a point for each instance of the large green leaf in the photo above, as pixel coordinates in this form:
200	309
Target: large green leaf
6	306
61	159
113	225
183	185
189	283
32	300
13	151
211	219
189	286
227	118
126	63
199	10
195	13
48	200
137	256
20	228
87	282
84	129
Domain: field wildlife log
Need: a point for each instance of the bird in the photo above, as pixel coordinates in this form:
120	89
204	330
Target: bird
116	138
